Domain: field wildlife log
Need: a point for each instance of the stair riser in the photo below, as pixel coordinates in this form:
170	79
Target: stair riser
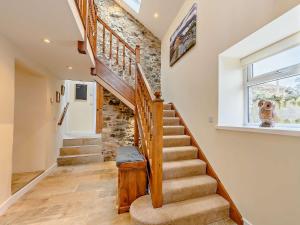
176	142
81	150
190	193
79	160
169	113
81	141
208	217
176	156
167	107
171	121
174	131
184	172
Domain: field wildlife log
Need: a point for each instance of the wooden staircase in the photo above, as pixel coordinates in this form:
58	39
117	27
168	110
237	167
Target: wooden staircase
184	189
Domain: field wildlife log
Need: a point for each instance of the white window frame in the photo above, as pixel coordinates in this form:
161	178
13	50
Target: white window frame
251	80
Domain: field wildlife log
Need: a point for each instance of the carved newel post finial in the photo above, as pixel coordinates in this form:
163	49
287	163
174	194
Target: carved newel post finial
157	94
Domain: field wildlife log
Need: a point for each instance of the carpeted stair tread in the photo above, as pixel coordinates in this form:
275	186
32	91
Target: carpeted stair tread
183	168
180	189
173	130
169	113
167	106
179	153
171	121
176	140
200	211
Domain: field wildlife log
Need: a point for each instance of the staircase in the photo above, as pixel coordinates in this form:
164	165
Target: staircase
80	151
184	189
185	186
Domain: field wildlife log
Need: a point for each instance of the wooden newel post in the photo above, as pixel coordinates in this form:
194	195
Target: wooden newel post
138	54
157	146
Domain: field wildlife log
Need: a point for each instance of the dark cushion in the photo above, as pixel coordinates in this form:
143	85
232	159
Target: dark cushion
128	154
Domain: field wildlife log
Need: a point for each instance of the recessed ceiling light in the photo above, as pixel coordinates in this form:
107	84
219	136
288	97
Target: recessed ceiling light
69	67
156	15
46	40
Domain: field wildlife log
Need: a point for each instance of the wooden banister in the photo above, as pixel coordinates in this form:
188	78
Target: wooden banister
63	115
149	122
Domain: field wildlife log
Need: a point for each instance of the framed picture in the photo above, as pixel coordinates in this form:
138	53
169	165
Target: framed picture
184	38
81	92
57	97
62	90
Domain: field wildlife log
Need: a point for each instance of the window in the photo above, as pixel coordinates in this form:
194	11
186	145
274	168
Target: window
134	4
275	78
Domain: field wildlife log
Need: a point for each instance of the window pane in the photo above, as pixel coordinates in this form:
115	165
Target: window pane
285	93
134	4
281	60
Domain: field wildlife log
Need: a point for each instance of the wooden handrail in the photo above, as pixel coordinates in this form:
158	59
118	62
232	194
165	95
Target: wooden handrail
149	125
63	115
107	27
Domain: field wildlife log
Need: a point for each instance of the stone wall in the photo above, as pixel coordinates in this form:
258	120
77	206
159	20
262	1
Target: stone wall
118	118
133	32
118	126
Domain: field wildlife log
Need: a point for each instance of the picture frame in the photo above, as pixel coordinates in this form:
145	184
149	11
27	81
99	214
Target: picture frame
57	97
185	36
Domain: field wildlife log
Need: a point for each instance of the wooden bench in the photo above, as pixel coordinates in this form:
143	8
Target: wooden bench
132	176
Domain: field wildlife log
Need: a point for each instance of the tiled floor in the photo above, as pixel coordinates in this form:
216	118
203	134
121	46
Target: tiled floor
19	180
75	195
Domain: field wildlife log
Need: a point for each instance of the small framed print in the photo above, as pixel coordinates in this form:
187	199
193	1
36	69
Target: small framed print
57	97
62	90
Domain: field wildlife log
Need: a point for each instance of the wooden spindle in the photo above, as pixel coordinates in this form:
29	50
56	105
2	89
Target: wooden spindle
130	62
110	45
123	57
117	53
104	43
137	54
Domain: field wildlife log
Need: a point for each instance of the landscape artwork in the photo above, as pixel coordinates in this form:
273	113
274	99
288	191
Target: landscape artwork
184	38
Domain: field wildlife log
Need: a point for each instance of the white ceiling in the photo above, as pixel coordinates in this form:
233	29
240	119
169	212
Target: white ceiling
167	10
27	23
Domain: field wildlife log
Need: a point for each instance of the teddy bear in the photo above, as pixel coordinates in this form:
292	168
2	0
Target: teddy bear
266	113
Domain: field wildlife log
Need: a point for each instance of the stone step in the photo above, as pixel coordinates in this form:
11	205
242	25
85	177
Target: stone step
79	159
167	106
171	121
185	188
197	211
176	140
183	168
179	153
173	130
81	141
80	150
169	113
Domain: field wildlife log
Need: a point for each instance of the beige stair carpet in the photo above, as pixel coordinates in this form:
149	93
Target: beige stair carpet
189	194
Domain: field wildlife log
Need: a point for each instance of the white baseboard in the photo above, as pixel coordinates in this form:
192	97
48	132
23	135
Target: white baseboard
246	222
16	196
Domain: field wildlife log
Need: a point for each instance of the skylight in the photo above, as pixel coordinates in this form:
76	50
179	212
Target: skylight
134	4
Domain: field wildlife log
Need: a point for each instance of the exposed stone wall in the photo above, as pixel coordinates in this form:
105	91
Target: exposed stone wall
118	123
133	32
118	118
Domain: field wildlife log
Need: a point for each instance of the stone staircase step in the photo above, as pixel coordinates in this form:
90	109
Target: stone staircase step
200	211
179	153
81	141
185	188
169	113
173	130
79	159
183	168
167	106
176	140
80	150
171	121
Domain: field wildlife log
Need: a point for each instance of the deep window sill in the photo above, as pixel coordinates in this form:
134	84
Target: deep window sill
287	131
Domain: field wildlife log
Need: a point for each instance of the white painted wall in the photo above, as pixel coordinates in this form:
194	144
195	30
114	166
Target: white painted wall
81	116
7	79
35	120
260	171
28	121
